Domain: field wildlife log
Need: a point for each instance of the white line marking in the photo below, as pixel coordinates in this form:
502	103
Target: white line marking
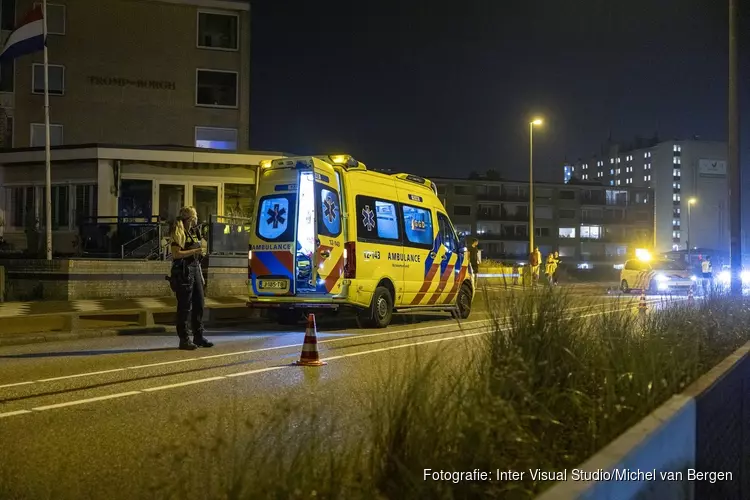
14	413
462	326
84	401
183	384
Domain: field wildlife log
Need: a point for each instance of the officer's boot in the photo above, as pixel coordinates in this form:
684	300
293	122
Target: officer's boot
185	343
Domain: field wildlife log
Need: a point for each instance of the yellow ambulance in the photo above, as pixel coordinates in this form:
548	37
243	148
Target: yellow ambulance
330	234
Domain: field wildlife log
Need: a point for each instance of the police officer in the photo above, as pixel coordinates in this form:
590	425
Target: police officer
187	278
708	274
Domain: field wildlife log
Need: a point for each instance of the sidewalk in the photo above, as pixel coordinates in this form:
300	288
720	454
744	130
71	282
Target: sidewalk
17	309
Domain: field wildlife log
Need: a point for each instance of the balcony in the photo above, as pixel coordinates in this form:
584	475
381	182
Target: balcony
492	195
593	200
513	196
514	216
592	219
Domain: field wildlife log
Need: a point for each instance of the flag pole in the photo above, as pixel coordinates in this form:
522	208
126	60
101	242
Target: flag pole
47	159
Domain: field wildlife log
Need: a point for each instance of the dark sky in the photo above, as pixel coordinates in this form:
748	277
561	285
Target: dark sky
442	88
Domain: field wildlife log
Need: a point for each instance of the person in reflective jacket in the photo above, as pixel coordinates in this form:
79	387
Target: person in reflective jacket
187	280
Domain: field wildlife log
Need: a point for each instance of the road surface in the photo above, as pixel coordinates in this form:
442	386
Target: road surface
90	418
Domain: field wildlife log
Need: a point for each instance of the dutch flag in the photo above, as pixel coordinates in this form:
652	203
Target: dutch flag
27	38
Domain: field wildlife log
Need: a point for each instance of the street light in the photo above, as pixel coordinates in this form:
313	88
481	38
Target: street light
536	121
692	201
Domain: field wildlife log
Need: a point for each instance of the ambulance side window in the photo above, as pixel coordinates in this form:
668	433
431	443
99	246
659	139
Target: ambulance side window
329	218
417	226
376	220
447	235
276	217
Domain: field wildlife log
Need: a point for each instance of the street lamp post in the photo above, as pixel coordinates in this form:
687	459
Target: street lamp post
537	121
691	202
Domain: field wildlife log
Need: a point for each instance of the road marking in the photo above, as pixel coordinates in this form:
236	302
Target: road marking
14	413
460	327
88	400
267	369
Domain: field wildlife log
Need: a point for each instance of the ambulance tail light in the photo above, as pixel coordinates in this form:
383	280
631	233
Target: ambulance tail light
249	264
350	260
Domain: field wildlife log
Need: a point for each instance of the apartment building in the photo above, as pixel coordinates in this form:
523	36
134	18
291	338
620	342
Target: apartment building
677	171
132	72
585	223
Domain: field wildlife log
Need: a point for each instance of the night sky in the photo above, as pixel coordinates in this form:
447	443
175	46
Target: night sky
442	88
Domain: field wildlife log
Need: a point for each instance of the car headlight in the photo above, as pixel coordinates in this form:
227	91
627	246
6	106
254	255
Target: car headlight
745	275
694	278
725	276
661	277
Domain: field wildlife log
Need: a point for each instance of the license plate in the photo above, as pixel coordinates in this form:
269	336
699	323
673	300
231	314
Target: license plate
273	284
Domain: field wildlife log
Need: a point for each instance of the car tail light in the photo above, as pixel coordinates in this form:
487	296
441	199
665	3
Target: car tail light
350	260
249	264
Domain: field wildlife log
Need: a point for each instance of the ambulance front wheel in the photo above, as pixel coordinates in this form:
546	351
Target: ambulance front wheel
380	312
463	303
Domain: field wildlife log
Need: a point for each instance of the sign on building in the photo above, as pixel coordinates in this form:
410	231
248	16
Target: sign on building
712	168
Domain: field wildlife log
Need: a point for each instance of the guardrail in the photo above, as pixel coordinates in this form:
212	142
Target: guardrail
696	445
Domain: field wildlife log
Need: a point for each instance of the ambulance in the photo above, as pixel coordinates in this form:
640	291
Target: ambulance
329	234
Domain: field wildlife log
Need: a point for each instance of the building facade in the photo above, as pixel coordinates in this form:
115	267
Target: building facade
586	224
135	72
677	171
107	186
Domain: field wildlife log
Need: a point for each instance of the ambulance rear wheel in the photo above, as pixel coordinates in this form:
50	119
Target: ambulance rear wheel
463	303
380	312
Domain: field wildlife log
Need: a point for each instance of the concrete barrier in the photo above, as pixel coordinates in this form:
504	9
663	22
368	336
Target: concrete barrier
704	430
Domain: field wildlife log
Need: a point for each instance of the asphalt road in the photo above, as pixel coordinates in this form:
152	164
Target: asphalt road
109	417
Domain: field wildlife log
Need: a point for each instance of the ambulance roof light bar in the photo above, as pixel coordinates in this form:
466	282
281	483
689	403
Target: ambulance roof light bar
345	161
418	180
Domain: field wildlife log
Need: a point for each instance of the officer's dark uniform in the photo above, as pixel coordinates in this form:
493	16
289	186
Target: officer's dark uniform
187	283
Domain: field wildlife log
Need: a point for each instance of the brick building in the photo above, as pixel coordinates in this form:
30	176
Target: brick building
132	72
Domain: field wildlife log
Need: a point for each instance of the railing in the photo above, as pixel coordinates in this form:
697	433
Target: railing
115	237
511	196
147	245
229	235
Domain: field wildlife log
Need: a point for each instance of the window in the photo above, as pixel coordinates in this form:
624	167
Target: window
618	182
38	135
218	31
55	18
675	197
276	217
676	148
448	236
567	232
86	199
676	222
592	232
22	206
461	210
7	75
618	160
676	160
463	190
216	88
677	212
618	171
611	171
676	235
649	177
542	232
611	161
675	185
676	172
216	138
611	183
329	220
56	76
417	226
60	206
376	220
567	195
8	15
567	214
645	177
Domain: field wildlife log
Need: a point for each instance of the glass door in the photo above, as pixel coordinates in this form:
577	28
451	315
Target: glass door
171	200
205	201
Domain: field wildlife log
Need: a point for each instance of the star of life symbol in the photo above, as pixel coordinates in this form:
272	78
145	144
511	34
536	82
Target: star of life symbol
368	218
276	216
329	209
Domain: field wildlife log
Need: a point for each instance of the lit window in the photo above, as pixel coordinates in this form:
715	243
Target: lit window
618	182
675	185
649	177
674	148
675	247
630	181
216	138
675	197
572	169
618	160
649	154
675	222
611	171
567	232
645	177
611	183
618	171
645	155
611	161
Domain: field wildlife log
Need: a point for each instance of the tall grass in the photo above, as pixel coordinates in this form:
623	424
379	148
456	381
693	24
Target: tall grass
546	389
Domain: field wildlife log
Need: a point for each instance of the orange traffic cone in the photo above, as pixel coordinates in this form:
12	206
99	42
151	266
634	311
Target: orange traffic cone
310	356
642	306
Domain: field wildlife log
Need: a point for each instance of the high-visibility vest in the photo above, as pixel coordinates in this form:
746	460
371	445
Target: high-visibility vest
706	266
